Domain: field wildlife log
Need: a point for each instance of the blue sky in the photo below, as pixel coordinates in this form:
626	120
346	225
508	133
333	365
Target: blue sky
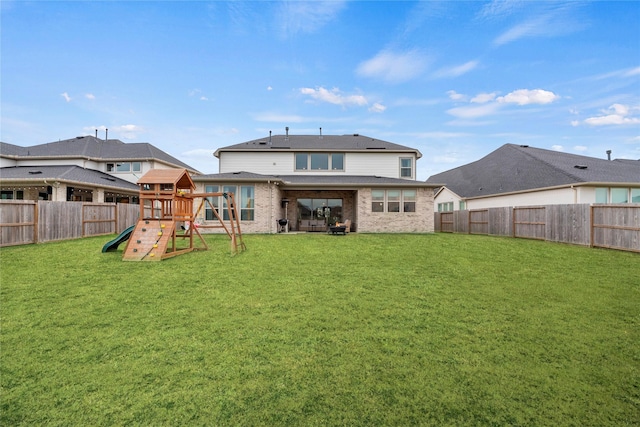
454	79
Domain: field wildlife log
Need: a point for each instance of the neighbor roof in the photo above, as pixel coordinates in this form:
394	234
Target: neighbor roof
355	142
93	148
64	173
513	168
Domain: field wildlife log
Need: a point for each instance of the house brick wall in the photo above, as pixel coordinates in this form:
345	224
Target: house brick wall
420	221
267	211
356	206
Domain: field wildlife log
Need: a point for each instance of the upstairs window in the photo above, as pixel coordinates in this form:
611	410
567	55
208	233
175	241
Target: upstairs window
319	161
406	167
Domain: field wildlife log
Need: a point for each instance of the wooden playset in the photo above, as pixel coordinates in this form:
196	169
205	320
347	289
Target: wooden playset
167	223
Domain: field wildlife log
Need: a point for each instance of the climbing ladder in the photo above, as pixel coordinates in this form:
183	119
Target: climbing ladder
149	241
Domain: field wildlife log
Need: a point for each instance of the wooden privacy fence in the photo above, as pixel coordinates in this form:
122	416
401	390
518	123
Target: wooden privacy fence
29	221
606	226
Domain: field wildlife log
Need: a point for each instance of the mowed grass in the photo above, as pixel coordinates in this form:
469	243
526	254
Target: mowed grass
312	329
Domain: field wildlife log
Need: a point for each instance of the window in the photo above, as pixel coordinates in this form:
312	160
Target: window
302	161
123	167
602	195
319	161
12	195
635	195
228	189
246	203
393	200
377	201
445	207
409	199
619	195
320	210
337	161
406	167
462	205
208	211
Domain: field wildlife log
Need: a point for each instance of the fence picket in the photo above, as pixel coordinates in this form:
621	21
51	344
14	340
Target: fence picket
607	226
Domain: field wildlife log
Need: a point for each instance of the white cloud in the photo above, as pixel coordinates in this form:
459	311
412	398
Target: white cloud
483	98
551	20
204	98
456	96
306	17
334	96
394	67
557	148
632	72
269	88
617	114
128	131
499	8
472	112
527	96
457	70
66	96
580	148
377	108
90	96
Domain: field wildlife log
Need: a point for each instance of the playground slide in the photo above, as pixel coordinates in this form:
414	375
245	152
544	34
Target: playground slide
113	244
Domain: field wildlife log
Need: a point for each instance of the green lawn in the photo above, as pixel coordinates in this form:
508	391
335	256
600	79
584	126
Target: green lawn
312	329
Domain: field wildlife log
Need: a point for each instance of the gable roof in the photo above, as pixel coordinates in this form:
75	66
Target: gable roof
328	143
65	173
513	168
178	177
93	148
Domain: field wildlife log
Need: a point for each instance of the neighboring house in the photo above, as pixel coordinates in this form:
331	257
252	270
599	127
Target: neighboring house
519	175
314	181
84	168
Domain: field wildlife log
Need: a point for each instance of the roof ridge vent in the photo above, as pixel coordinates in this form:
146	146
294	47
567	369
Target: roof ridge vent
580	166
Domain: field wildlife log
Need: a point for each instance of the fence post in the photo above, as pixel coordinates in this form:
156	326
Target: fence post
591	226
36	209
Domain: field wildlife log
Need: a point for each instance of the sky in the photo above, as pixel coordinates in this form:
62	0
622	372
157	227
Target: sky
454	79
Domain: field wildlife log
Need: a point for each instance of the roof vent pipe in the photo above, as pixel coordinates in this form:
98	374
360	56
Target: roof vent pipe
320	133
269	137
608	154
287	135
106	134
96	133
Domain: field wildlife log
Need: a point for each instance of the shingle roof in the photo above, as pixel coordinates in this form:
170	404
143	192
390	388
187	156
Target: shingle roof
318	181
353	142
65	173
513	168
94	148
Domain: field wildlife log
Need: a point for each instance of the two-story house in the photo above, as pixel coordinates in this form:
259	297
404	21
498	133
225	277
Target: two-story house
85	168
313	181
